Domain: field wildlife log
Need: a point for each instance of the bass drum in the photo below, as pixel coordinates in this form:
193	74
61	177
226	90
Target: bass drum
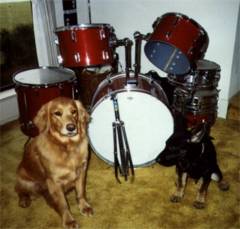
144	110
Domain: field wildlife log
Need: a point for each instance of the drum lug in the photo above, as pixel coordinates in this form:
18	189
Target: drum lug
73	36
168	34
77	57
56	41
153	92
60	59
102	34
105	55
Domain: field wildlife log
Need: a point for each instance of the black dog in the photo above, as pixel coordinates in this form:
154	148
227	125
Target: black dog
194	155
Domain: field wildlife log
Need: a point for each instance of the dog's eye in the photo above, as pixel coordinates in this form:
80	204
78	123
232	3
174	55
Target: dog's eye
74	112
58	113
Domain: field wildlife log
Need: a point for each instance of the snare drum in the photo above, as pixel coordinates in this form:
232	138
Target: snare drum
144	110
38	86
206	76
176	43
86	45
197	107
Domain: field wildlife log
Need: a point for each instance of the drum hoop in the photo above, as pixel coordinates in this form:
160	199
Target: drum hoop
176	14
185	17
191	86
111	163
44	85
217	66
203	112
73	77
118	75
217	70
122	91
83	26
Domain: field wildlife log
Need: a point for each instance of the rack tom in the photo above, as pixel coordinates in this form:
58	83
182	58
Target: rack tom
86	45
176	43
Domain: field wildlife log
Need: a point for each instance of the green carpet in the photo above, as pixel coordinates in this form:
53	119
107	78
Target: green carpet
142	204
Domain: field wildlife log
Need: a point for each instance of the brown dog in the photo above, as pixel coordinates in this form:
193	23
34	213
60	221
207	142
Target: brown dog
56	160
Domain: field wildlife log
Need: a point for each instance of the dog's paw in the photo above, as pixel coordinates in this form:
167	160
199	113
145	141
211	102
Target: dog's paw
175	198
86	211
223	185
198	204
71	225
85	208
24	201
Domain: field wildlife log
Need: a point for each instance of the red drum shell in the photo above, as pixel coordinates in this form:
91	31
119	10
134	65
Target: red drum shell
176	43
31	96
194	120
85	45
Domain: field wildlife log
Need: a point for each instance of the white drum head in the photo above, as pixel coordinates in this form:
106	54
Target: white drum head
148	123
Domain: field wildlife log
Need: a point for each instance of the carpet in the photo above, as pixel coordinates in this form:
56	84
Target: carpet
141	204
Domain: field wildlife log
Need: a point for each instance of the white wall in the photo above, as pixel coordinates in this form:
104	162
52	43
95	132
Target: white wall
235	77
218	17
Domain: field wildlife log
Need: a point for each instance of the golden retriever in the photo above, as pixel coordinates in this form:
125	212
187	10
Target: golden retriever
56	160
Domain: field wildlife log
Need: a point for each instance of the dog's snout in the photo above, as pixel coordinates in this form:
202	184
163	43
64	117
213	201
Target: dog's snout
71	127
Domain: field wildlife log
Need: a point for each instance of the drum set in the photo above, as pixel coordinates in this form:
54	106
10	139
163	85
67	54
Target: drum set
132	114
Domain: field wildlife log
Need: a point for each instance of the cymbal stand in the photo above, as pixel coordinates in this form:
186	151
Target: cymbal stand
120	145
138	37
127	43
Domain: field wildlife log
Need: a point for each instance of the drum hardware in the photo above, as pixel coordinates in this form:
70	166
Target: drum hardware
120	142
89	12
73	36
127	43
77	57
138	37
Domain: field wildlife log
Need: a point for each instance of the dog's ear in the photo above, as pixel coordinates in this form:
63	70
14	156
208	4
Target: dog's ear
83	115
41	119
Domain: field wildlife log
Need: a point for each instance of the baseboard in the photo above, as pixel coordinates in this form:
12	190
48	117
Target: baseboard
8	106
222	108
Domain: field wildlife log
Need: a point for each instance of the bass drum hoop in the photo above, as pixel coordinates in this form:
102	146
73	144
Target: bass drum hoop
111	78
